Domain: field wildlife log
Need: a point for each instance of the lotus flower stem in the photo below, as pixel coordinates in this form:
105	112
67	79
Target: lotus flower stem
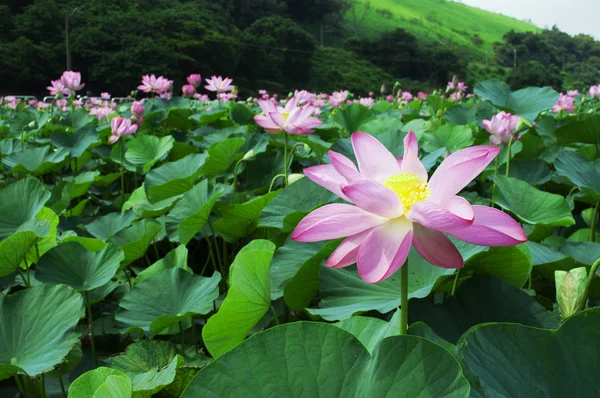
593	223
455	284
88	305
43	382
285	162
62	386
275	317
181	339
194	339
20	385
273	181
404	298
122	150
235	173
494	184
588	284
508	154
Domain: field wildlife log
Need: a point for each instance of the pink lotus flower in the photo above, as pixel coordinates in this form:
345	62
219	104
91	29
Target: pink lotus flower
573	93
594	91
304	97
120	127
338	98
462	87
456	96
57	87
368	102
422	96
218	84
137	109
501	127
406	96
188	90
153	84
389	98
195	80
105	96
396	206
72	80
291	119
564	103
102	112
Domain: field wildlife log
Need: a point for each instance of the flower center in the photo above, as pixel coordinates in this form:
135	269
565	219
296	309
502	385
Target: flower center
409	188
285	115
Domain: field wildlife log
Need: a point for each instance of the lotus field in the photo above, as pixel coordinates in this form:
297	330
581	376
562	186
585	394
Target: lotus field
399	244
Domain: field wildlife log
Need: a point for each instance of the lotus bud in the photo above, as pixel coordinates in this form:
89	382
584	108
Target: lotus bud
570	290
383	89
249	155
31	124
523	125
292	178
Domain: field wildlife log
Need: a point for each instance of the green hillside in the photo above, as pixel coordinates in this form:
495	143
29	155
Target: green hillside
436	20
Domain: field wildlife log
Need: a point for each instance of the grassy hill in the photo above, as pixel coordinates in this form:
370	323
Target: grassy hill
442	21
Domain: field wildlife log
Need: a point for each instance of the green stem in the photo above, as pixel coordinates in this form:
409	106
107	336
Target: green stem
27	270
20	385
217	251
285	162
194	339
24	278
275	317
122	150
235	172
62	386
593	223
37	252
181	339
43	380
404	298
508	155
494	185
273	181
128	278
588	283
210	253
455	284
91	327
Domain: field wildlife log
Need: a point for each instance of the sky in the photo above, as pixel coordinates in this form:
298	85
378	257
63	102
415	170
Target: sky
571	16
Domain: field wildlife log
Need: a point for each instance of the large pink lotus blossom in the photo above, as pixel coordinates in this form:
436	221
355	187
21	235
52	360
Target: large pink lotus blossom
292	119
195	80
304	97
120	127
407	97
564	103
594	91
56	87
153	84
218	84
501	127
72	80
396	206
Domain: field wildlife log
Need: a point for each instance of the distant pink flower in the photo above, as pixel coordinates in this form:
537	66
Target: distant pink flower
195	80
422	96
368	102
57	87
292	119
121	127
397	206
105	96
573	93
389	98
407	96
501	127
153	84
262	92
338	98
594	91
72	80
101	112
42	105
564	103
188	90
371	93
137	109
451	85
304	97
218	84
461	86
456	96
201	97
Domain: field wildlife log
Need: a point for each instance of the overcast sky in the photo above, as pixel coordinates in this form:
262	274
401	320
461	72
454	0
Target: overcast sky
571	16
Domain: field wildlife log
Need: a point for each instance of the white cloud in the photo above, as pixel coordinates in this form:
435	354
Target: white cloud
571	16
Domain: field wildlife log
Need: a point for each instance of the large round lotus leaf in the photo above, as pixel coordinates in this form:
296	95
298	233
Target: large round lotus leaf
306	359
35	160
166	299
72	264
515	361
136	239
101	383
146	150
36	330
19	203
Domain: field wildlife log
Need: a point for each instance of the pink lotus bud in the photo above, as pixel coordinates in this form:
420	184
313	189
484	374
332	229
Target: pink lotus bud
194	79
137	109
188	90
120	127
71	80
